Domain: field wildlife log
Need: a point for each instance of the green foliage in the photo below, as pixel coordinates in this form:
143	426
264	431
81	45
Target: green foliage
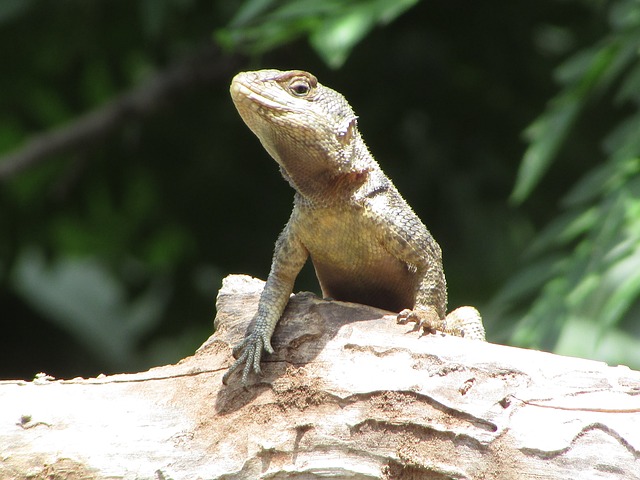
85	298
120	243
333	27
584	76
87	243
9	9
580	294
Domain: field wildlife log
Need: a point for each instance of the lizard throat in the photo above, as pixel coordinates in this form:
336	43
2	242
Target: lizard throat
327	187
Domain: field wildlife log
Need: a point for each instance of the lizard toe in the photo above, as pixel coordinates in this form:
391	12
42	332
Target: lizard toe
425	320
247	354
405	316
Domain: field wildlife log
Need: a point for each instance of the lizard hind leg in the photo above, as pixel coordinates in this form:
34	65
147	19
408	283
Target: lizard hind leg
462	322
465	322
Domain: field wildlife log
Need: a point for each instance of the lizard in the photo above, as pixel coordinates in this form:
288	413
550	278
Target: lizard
365	242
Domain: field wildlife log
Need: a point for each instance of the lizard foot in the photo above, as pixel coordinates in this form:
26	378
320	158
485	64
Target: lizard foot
425	319
248	354
462	322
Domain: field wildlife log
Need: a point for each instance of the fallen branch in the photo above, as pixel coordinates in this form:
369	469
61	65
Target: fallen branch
347	394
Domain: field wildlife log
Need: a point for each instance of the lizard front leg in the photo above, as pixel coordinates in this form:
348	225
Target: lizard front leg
430	306
289	257
408	240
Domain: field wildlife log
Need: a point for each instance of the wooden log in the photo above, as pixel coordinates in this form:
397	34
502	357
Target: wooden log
348	393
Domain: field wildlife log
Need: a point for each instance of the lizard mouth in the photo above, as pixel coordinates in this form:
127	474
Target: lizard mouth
245	93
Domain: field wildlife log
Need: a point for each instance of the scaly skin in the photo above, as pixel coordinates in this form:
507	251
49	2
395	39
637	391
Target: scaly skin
365	242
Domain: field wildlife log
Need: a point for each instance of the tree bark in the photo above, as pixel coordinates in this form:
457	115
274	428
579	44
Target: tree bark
348	393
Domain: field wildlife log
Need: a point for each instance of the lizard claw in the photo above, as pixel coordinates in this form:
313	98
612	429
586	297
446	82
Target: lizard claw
422	319
248	354
405	316
462	322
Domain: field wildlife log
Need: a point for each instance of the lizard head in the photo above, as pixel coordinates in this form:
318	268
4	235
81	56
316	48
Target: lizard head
309	129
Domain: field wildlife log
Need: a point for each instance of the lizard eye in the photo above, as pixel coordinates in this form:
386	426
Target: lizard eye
300	87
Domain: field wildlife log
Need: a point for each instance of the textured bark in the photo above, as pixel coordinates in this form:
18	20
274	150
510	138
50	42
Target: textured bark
347	394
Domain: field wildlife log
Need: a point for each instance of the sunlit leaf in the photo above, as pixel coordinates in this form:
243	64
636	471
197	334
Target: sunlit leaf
563	230
624	280
335	39
586	74
579	339
333	27
624	142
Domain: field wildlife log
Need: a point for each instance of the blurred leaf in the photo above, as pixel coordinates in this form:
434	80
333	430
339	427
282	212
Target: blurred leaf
590	187
138	66
160	197
166	247
27	191
623	144
153	14
623	280
545	135
47	106
563	230
250	10
579	339
540	326
110	224
597	280
336	37
333	27
9	9
97	85
630	88
586	74
526	281
261	26
554	39
625	15
594	281
84	298
10	134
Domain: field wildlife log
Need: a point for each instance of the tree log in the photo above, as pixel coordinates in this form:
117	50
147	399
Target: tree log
348	393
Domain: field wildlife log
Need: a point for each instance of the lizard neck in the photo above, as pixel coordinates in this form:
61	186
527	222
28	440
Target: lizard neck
325	178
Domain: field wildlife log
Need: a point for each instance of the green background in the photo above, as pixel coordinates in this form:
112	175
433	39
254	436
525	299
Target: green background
129	186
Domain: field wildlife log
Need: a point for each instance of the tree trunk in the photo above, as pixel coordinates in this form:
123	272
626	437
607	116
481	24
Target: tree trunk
348	393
